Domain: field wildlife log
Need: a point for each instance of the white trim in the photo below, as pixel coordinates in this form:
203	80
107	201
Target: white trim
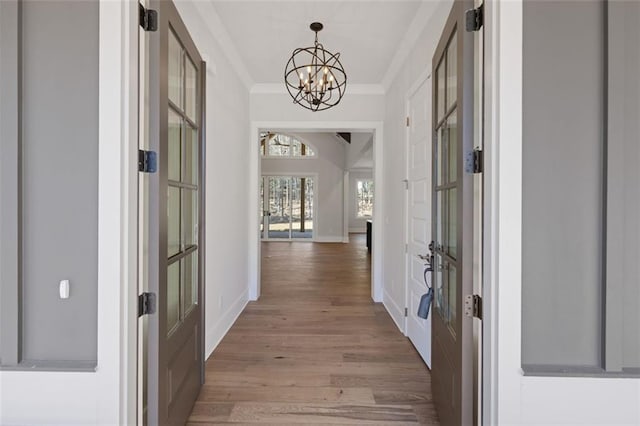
218	31
396	313
345	202
117	217
215	334
352	89
329	240
254	193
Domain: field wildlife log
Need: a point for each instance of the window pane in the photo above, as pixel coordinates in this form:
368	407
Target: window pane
452	143
439	163
440	90
452	222
175	70
191	94
191	156
175	133
309	151
189	266
438	285
190	217
173	221
173	296
452	298
296	148
364	196
452	71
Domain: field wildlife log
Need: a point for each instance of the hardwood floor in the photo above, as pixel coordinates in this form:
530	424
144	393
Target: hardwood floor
315	349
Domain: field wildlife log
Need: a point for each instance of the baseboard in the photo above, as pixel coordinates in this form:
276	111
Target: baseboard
329	239
357	230
396	313
220	329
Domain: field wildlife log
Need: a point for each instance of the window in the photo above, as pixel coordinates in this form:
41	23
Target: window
279	145
364	198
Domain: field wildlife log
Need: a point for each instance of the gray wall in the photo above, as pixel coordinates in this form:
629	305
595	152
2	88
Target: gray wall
59	148
562	182
581	198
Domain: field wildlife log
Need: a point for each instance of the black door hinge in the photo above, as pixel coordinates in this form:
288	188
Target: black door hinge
478	161
148	18
406	312
146	304
473	306
474	18
474	161
147	161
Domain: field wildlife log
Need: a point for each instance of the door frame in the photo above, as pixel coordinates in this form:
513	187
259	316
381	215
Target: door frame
315	203
255	172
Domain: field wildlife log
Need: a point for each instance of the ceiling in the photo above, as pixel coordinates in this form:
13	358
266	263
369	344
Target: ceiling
366	33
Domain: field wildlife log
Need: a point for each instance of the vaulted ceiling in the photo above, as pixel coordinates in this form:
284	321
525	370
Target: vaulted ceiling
372	36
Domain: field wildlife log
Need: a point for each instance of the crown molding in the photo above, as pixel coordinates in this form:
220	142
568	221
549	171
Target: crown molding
417	26
352	89
218	31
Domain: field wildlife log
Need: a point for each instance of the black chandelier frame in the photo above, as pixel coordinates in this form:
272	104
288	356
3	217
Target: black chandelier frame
318	83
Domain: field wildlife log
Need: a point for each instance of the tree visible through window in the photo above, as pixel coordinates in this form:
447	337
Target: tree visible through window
279	145
364	197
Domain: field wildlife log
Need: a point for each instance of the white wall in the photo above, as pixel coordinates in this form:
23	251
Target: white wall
227	180
329	167
514	398
357	224
417	66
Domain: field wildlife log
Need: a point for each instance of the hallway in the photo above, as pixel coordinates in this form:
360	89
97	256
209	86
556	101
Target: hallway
315	349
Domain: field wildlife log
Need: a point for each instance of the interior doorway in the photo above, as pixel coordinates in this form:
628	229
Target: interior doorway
338	230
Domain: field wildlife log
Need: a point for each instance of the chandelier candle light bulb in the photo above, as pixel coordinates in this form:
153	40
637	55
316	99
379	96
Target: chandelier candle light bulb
317	91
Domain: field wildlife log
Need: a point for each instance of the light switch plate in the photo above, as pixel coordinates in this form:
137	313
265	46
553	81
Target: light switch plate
64	289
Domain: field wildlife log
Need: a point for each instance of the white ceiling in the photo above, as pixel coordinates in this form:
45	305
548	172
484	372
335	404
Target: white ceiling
366	33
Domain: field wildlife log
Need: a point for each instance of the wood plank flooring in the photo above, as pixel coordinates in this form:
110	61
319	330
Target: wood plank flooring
315	349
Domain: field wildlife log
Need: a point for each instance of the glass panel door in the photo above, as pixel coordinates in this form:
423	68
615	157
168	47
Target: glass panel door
289	207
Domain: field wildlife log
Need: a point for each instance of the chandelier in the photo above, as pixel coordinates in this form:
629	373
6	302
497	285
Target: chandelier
314	76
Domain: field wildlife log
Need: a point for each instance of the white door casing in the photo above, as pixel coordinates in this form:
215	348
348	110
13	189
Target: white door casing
418	220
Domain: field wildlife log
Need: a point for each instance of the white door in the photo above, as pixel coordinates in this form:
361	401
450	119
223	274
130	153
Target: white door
418	214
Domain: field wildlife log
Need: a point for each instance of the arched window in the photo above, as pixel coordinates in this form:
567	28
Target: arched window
280	145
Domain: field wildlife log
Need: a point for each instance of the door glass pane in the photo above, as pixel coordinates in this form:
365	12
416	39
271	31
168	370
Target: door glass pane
175	70
439	163
452	144
452	222
173	158
308	211
279	207
190	217
191	156
440	75
439	291
296	148
173	221
173	296
191	85
452	71
439	237
452	284
189	282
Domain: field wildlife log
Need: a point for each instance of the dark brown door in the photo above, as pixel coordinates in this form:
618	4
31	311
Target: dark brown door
452	218
176	131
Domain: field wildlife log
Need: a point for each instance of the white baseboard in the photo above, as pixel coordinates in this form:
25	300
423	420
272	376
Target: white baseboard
357	230
329	240
397	313
215	333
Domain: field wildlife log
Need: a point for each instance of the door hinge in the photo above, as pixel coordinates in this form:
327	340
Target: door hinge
475	161
148	18
407	121
147	161
473	306
406	183
406	312
146	304
474	18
